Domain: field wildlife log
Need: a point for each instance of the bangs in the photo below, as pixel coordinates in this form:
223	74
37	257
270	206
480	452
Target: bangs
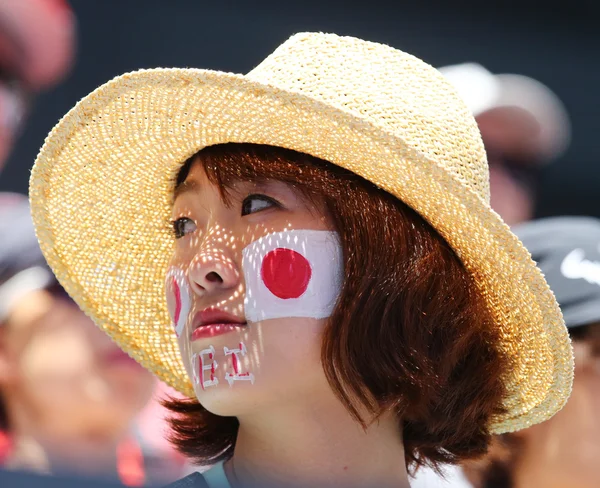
227	164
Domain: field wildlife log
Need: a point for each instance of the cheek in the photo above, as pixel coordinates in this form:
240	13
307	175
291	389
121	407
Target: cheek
178	299
292	356
289	365
293	340
271	360
296	273
288	352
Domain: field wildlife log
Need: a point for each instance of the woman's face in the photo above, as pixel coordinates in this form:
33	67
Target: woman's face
59	367
249	288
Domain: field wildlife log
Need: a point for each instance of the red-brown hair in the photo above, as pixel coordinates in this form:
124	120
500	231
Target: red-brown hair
497	468
406	299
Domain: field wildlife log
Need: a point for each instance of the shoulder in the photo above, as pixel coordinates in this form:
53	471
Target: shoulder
212	478
194	480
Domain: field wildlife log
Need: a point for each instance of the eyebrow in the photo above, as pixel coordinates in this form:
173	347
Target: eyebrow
186	187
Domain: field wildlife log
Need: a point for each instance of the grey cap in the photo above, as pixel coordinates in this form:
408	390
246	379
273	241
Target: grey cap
567	250
22	264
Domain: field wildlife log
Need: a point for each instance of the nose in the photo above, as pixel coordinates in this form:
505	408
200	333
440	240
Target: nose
212	271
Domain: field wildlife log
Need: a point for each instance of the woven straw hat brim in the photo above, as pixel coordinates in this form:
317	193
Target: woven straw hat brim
101	201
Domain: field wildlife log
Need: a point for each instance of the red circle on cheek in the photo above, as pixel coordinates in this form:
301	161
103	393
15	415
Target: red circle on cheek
286	273
173	299
177	301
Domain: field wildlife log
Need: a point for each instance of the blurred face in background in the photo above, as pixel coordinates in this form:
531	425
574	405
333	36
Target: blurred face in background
510	136
565	450
62	373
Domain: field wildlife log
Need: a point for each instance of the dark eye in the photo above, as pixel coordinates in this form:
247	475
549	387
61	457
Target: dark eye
256	203
183	226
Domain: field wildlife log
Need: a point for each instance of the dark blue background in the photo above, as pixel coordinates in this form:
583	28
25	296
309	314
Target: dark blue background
559	44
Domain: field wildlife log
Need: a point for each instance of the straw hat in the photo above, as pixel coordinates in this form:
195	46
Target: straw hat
101	190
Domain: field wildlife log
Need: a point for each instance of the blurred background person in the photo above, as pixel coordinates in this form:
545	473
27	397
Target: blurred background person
565	450
37	44
68	394
38	41
524	126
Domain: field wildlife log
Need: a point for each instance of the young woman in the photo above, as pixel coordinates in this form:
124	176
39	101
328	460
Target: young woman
344	304
565	450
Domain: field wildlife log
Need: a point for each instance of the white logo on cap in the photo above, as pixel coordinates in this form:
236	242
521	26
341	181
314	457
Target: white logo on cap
575	266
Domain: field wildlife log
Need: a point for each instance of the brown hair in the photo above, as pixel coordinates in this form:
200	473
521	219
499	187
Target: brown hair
406	299
497	468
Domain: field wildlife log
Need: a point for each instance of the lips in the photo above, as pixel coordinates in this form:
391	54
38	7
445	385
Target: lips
213	322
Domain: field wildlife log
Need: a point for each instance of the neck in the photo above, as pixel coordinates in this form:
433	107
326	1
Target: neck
321	445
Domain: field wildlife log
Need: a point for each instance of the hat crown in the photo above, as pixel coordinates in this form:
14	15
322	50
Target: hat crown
384	87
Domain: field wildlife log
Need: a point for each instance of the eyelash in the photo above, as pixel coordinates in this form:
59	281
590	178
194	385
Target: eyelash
178	225
261	197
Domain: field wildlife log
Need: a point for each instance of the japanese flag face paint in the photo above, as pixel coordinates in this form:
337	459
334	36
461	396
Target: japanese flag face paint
295	273
178	298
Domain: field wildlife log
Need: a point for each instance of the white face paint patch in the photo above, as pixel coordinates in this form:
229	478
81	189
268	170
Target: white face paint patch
204	367
237	374
295	273
178	298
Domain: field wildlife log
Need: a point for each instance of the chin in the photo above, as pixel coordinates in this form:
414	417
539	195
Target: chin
229	401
